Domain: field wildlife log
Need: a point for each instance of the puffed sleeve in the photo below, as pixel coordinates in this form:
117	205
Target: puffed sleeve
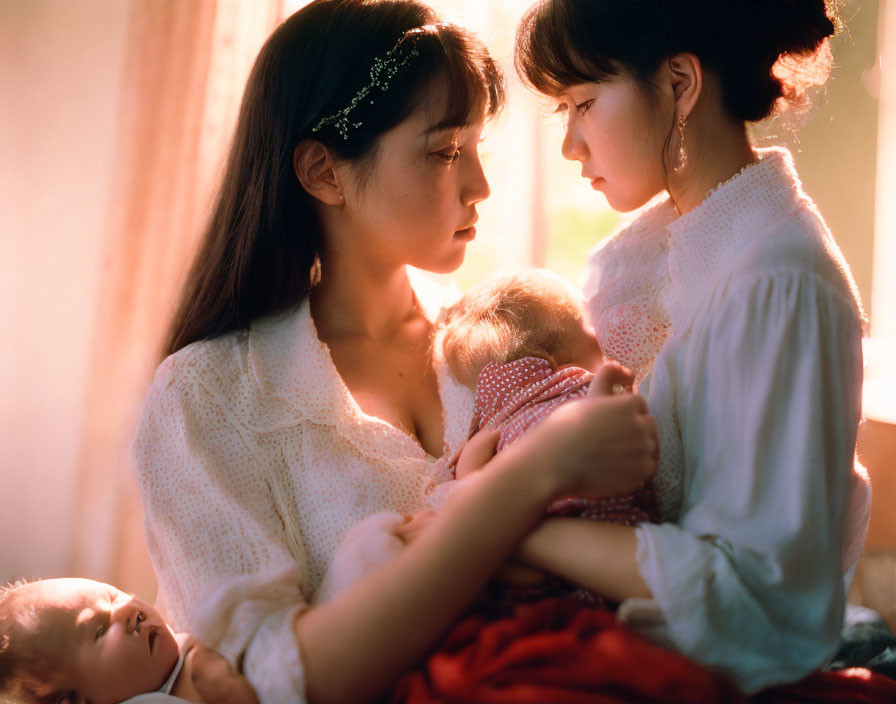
213	528
767	391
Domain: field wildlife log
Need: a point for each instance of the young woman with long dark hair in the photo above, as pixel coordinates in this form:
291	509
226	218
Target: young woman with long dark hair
301	393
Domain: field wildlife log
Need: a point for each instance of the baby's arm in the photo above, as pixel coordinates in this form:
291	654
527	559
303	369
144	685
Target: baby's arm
207	677
476	453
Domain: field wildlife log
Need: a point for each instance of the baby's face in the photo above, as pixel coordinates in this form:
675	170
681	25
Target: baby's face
580	348
110	646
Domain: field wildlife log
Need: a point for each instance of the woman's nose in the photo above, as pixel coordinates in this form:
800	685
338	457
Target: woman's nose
573	147
476	188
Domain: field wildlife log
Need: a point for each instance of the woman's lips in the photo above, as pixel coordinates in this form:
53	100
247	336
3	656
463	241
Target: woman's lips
468	234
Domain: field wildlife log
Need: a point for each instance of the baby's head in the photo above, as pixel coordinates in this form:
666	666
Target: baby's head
532	314
76	640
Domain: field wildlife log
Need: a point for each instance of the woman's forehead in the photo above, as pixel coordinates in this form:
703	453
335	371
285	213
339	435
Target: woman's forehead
429	126
441	109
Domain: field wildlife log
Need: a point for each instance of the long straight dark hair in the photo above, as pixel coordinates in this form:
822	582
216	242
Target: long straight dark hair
261	246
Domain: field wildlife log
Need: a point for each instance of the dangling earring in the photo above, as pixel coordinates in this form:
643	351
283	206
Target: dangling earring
682	150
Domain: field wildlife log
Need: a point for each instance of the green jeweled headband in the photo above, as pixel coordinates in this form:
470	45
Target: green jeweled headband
382	71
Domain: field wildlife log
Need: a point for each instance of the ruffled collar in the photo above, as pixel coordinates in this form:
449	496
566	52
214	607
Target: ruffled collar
706	242
294	372
759	194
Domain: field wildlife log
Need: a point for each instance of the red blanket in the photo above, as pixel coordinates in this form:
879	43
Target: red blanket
557	652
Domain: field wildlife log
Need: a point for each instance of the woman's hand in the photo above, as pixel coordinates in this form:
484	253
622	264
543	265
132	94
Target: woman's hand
413	526
611	379
604	445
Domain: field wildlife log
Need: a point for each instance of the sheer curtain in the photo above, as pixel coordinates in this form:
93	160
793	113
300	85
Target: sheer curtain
185	68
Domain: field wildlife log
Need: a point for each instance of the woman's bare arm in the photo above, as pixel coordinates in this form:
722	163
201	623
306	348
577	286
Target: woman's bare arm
356	646
597	556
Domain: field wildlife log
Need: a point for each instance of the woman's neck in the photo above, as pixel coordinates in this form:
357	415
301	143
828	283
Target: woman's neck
723	149
354	300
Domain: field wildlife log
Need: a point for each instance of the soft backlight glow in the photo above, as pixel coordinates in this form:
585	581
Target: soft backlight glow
879	393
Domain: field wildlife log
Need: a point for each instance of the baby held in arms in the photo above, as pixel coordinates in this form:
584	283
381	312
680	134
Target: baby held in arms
77	641
522	343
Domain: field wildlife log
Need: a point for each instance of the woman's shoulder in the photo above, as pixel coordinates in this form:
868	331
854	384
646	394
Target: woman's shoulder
234	371
212	364
758	226
193	390
799	246
777	226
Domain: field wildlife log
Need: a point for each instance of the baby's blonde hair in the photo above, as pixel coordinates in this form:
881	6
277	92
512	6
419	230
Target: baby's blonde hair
529	314
24	669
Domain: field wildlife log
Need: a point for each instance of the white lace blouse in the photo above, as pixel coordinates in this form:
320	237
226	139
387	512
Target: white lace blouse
253	461
743	322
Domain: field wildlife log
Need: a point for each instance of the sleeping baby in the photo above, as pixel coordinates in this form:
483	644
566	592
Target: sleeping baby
78	641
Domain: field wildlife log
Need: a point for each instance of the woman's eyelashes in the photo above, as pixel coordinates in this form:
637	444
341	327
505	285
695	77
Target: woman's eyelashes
582	108
449	154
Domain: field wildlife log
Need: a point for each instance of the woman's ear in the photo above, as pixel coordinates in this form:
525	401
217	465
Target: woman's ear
686	75
315	168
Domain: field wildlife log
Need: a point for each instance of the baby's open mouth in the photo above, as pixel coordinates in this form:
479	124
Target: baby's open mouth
153	636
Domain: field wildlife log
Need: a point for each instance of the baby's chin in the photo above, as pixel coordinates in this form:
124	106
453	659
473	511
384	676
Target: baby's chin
166	649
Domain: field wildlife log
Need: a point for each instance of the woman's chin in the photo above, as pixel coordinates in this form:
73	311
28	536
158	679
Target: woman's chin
626	203
447	265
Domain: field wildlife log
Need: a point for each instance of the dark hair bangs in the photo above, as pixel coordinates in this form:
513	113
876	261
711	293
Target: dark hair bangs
474	82
455	68
545	56
448	56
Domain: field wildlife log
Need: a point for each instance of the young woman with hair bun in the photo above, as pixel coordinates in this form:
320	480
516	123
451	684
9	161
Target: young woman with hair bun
732	304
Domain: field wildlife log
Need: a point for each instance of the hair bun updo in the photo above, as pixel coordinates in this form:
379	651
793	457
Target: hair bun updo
767	53
798	26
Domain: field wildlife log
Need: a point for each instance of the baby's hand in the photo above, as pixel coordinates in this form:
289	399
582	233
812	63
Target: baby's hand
476	453
215	680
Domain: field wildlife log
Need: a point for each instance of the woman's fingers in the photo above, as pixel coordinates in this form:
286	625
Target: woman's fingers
638	403
610	379
654	435
608	444
412	526
215	679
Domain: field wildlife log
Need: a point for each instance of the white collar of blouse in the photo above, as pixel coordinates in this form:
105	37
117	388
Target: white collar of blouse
295	379
743	215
